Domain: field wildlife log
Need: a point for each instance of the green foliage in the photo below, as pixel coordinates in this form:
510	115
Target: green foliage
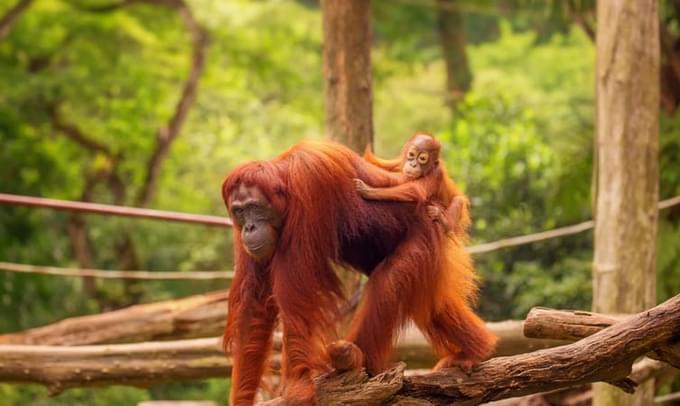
519	143
211	389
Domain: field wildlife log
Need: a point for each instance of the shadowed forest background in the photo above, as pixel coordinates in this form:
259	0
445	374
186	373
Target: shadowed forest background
89	111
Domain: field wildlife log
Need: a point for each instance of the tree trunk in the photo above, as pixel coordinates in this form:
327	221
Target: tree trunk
347	72
8	20
452	40
627	175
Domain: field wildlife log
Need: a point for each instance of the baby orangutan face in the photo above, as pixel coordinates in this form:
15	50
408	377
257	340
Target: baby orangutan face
422	156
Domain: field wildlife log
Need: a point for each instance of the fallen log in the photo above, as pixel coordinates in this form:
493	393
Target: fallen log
190	317
204	315
143	364
606	356
576	324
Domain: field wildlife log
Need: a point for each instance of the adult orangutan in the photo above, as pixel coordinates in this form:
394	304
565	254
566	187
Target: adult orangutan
424	180
297	215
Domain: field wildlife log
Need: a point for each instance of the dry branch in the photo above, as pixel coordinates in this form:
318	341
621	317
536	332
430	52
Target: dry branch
143	364
606	356
194	316
574	325
643	371
204	316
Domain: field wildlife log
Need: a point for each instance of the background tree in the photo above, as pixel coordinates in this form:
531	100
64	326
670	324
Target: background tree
521	144
627	189
347	72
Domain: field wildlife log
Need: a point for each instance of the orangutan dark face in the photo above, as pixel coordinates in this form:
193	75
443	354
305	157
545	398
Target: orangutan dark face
257	221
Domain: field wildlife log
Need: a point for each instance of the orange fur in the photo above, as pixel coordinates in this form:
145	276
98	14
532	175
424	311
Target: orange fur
445	317
415	273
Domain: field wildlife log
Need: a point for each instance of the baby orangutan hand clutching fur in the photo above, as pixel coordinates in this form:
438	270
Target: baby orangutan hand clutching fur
424	180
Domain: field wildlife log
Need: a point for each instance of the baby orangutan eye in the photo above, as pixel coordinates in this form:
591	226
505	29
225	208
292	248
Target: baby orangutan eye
423	158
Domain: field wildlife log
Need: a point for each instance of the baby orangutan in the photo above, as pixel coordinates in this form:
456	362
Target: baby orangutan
419	177
423	180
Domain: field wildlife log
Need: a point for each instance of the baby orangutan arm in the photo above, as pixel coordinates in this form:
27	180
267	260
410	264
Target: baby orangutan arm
455	218
406	192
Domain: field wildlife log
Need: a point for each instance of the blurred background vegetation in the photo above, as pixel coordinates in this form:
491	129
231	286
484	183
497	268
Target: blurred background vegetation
518	137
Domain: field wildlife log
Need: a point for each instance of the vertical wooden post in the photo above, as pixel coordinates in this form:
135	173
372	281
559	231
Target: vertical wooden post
624	279
347	71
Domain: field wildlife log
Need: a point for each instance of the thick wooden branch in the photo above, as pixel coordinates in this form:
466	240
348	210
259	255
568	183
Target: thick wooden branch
574	325
643	371
606	356
194	316
60	368
204	316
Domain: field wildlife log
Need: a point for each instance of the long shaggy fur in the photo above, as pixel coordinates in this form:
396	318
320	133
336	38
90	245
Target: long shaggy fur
414	272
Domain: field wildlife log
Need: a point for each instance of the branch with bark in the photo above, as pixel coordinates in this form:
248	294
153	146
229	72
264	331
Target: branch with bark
190	317
576	324
606	356
60	368
204	316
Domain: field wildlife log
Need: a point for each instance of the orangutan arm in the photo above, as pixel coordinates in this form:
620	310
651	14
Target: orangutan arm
406	192
455	218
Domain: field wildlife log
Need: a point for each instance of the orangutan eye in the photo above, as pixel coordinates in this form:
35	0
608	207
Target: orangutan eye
411	155
423	158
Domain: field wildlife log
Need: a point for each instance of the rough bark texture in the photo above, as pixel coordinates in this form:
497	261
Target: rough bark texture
627	166
204	316
452	40
606	356
583	395
194	316
347	72
60	368
574	325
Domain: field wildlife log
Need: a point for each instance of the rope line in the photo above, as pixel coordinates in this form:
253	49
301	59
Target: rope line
224	222
99	208
106	274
